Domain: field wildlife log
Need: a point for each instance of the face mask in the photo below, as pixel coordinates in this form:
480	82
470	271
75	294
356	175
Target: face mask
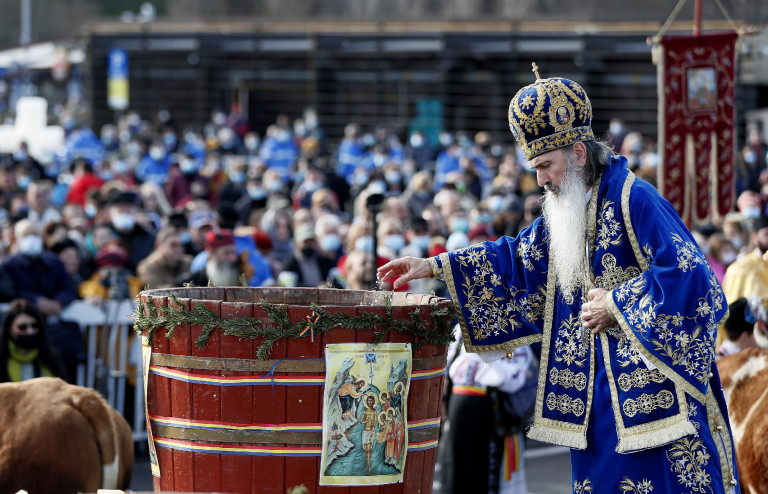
364	244
23	182
157	154
392	177
169	140
120	167
422	242
107	175
219	118
237	177
133	149
496	203
394	242
185	237
330	242
377	187
274	186
379	160
361	178
307	251
750	157
737	242
535	211
728	257
484	218
311	186
31	245
123	222
417	140
20	155
251	143
27	341
257	193
460	225
90	210
751	212
188	166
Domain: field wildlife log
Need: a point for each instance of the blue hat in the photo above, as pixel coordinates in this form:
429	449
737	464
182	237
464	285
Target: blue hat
550	114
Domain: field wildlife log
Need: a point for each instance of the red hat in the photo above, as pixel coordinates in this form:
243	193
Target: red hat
262	239
218	238
110	256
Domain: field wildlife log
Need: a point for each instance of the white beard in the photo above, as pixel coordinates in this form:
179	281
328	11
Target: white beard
222	274
566	219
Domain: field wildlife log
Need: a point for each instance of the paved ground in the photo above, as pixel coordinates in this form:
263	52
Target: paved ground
548	470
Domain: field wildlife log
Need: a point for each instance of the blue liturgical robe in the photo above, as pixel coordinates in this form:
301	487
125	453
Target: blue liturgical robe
640	404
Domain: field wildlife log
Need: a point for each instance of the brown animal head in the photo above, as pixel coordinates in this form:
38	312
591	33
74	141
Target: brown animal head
744	376
57	437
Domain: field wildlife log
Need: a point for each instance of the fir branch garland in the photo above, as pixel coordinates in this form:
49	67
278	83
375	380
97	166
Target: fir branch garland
148	319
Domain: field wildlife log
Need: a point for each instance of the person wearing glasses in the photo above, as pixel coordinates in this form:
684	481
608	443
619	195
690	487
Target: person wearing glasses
25	352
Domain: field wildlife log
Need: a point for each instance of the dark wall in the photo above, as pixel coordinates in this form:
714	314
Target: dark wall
374	79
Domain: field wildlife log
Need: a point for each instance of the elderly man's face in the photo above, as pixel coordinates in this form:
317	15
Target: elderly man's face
551	167
226	254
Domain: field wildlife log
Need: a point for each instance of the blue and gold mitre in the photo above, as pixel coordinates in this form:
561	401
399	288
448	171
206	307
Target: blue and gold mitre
550	114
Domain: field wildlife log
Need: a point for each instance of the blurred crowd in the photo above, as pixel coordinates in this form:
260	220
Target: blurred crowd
151	202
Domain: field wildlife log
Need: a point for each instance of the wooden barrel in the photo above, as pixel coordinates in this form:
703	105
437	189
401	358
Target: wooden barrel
224	420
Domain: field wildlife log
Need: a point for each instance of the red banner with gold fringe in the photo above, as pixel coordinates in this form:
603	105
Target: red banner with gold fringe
696	124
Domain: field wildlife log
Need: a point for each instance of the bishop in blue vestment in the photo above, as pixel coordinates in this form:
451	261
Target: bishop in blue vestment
613	285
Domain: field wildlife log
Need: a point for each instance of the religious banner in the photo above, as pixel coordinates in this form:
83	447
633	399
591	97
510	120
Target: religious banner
365	413
696	79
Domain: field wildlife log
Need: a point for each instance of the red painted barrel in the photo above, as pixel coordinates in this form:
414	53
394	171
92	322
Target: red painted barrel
265	435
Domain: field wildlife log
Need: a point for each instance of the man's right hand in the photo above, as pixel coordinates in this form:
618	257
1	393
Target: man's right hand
407	268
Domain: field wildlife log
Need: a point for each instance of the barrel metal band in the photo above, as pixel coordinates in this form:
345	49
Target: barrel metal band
274	365
302	435
259	450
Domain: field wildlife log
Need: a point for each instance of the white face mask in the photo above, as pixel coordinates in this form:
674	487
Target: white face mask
330	242
364	244
728	257
123	222
31	245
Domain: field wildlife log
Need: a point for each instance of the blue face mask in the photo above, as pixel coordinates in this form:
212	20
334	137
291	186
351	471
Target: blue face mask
460	225
257	193
364	244
330	242
237	177
422	242
394	242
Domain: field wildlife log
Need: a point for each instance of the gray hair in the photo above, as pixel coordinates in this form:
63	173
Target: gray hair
598	156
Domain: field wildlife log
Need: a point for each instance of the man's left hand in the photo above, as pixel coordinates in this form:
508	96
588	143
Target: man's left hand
594	314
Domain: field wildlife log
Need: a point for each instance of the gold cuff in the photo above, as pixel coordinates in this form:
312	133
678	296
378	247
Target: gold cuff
437	271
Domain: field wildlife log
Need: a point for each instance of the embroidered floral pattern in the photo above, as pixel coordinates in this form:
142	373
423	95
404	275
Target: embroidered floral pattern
646	403
686	341
528	250
688	458
572	341
608	227
582	487
640	378
688	255
613	275
565	404
626	353
628	486
491	314
567	379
